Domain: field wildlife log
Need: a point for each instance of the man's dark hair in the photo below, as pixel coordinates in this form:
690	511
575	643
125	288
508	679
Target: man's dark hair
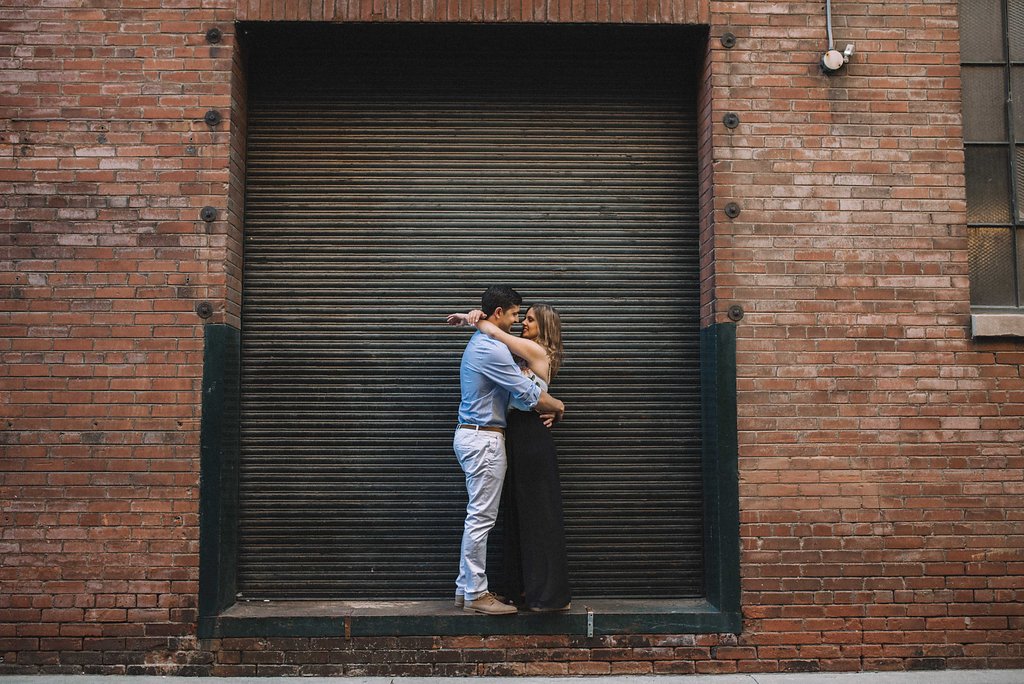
499	297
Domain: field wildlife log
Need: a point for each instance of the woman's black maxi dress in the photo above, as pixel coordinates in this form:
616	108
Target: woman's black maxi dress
536	570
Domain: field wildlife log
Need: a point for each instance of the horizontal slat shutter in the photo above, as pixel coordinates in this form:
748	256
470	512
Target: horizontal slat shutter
370	217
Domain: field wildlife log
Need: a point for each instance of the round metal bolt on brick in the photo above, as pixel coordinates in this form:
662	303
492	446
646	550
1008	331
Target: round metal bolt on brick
735	312
208	214
214	35
212	117
204	309
728	40
732	210
731	120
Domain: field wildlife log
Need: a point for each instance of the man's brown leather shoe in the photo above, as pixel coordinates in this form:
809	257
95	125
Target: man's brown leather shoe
460	600
488	604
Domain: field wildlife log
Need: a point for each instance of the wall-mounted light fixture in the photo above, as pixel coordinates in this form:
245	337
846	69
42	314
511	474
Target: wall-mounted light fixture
833	60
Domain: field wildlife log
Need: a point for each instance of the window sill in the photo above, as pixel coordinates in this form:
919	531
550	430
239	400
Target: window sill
997	325
440	618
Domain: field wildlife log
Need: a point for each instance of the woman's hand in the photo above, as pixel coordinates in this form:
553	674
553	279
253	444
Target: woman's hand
457	319
549	419
470	318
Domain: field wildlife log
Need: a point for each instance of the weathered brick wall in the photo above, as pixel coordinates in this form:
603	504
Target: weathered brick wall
578	11
880	448
106	165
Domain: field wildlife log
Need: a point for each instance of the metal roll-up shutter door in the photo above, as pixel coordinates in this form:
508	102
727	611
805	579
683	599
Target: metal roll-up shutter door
371	216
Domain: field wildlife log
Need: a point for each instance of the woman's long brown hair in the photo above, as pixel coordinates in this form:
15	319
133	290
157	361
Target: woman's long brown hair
549	334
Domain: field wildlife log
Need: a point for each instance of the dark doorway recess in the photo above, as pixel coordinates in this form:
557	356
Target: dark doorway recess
393	172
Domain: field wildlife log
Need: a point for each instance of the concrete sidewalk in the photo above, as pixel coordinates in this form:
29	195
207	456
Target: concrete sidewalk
928	677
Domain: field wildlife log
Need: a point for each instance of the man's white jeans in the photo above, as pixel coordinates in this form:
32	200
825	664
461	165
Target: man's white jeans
482	457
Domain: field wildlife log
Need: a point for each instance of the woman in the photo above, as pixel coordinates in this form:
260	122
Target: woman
536	568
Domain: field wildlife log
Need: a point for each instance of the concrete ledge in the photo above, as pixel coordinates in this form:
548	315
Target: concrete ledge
997	325
439	618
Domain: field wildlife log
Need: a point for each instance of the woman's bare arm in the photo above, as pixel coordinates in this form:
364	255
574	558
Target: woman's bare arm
528	350
535	355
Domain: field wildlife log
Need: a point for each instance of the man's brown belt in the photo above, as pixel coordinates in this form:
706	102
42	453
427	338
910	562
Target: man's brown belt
467	426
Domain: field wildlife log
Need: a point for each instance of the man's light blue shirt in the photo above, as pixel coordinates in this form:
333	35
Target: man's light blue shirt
489	379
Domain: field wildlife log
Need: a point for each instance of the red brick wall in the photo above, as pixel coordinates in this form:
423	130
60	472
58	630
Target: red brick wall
589	11
106	165
880	447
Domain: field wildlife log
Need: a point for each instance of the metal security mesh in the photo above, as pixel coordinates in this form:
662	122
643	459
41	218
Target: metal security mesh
983	86
991	262
988	185
992	49
1019	188
1020	265
1017	86
1015	15
981	31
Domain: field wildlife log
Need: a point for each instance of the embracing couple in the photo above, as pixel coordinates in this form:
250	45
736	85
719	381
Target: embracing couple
503	426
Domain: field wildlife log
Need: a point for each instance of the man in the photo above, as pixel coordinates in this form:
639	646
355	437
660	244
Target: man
489	379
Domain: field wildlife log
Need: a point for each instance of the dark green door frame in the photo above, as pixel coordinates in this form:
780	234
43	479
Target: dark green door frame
218	469
218	538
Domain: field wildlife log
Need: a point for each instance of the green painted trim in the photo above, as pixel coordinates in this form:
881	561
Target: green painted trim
721	468
610	617
218	471
720	613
